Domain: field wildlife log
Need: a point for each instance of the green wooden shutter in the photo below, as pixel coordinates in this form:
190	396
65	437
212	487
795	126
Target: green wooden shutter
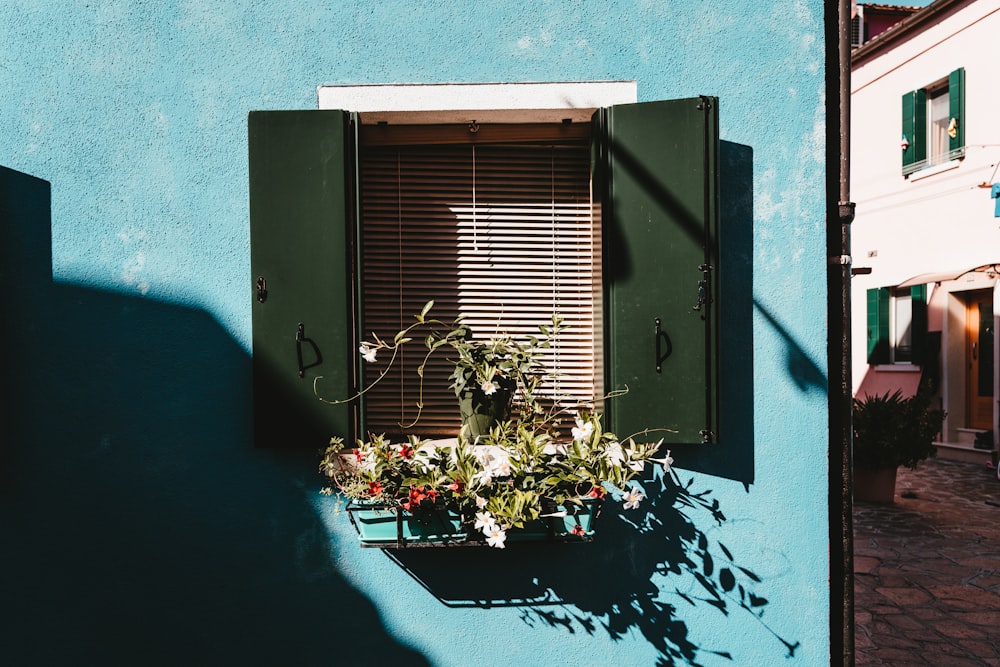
918	323
657	166
915	130
878	325
956	109
299	240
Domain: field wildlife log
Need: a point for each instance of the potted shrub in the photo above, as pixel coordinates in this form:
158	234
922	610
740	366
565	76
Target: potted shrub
517	473
891	431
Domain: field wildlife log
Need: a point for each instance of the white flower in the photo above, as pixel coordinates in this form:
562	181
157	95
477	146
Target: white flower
495	537
637	465
489	388
495	462
666	461
484	521
632	498
583	430
500	467
615	453
368	353
480	502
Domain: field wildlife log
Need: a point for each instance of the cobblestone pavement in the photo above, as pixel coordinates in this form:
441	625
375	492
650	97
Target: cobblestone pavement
927	569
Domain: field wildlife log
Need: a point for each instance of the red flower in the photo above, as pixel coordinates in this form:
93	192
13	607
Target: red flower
597	492
374	488
417	493
358	456
420	497
406	452
457	486
577	530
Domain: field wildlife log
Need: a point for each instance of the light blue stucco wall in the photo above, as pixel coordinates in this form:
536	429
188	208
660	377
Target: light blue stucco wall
139	525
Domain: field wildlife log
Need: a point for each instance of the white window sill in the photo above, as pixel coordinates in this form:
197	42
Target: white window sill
897	368
935	169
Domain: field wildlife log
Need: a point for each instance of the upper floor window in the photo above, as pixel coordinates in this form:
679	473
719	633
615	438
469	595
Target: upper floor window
934	123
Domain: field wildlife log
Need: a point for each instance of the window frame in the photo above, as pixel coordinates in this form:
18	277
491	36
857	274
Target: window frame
655	165
917	124
392	304
882	306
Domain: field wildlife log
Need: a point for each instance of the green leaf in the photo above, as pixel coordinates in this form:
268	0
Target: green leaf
423	313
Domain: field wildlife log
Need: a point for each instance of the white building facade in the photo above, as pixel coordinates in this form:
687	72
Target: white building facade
925	150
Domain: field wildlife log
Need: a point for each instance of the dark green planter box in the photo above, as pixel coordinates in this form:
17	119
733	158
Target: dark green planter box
385	527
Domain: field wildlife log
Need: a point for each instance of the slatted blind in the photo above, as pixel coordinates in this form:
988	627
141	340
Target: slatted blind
501	233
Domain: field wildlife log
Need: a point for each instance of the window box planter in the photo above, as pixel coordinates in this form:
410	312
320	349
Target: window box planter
384	527
504	474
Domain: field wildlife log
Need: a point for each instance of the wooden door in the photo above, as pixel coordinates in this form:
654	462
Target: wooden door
979	357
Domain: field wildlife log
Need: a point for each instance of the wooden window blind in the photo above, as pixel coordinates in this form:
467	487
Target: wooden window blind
501	233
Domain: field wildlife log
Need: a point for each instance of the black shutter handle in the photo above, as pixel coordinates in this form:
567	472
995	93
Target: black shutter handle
300	335
661	339
300	338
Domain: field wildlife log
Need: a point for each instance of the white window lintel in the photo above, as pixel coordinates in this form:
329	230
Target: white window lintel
483	102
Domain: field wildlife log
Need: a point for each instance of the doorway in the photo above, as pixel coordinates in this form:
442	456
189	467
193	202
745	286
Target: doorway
979	360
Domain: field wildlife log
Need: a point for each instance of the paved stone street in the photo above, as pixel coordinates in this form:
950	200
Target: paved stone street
927	569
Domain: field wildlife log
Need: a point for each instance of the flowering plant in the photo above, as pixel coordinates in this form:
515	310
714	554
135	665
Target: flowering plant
486	372
520	469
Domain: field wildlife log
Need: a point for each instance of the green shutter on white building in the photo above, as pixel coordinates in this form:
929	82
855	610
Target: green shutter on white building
878	325
956	109
914	137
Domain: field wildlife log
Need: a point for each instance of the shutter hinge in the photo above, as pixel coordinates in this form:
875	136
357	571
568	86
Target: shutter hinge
704	298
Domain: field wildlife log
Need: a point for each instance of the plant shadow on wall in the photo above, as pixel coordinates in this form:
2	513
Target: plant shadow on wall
651	562
646	567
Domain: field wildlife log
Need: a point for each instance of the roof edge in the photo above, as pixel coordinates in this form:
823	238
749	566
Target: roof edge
903	30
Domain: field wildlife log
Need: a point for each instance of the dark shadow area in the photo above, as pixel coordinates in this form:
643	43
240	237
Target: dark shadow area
645	568
732	457
140	525
803	370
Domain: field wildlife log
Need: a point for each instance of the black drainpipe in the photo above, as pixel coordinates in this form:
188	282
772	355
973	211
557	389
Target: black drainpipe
839	218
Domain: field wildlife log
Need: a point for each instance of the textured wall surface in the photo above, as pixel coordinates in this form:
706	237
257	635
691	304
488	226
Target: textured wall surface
140	526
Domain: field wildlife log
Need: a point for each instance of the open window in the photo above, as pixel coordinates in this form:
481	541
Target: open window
934	123
897	324
611	223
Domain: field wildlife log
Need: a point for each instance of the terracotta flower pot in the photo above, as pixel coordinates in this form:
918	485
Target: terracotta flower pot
875	486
